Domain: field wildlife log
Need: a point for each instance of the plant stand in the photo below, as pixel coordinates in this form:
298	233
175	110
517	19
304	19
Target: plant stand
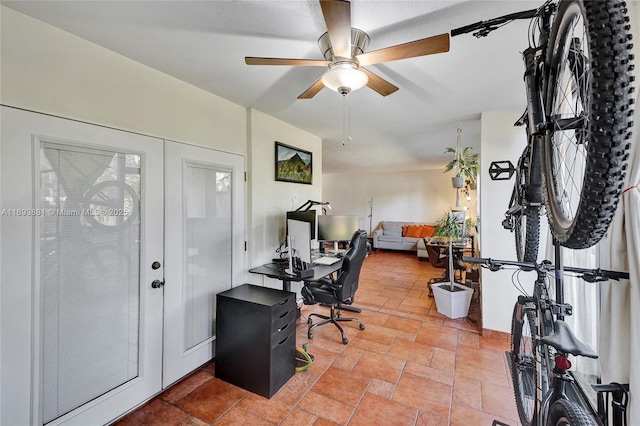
452	304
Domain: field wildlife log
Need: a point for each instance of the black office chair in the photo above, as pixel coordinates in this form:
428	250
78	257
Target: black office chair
441	261
339	291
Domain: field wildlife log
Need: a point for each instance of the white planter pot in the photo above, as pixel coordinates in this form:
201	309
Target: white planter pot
452	304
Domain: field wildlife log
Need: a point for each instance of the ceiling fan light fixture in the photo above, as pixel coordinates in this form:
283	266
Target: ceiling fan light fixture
344	77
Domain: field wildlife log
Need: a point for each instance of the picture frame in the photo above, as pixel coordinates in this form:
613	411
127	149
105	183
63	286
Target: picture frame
293	164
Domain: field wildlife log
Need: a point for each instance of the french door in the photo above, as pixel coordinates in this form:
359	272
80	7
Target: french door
93	323
204	238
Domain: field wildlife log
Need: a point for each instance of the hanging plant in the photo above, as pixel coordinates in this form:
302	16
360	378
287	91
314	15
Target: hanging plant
465	166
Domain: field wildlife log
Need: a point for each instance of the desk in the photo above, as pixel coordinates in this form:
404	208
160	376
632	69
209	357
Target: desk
276	270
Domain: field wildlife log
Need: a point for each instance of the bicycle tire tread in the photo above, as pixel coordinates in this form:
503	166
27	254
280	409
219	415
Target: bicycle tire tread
564	412
607	138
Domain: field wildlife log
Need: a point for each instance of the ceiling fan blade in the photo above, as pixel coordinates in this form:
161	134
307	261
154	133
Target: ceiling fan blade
252	60
425	46
379	84
312	91
337	16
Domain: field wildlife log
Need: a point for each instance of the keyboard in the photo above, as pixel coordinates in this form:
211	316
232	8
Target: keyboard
326	260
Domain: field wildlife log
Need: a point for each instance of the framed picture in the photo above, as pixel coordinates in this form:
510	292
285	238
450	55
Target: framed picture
293	164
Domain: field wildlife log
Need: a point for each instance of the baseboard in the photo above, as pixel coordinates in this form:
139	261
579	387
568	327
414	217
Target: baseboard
496	335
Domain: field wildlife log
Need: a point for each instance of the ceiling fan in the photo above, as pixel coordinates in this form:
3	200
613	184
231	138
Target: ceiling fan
344	47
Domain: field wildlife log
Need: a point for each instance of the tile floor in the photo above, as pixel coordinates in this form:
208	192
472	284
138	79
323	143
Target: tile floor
410	366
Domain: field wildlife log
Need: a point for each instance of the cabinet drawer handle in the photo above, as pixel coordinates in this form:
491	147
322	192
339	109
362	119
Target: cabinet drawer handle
284	340
284	315
285	326
284	301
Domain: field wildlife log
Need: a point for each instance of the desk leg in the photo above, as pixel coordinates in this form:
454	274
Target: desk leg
286	286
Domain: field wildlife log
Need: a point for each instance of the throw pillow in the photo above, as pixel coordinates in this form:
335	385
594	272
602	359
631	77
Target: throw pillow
427	231
413	231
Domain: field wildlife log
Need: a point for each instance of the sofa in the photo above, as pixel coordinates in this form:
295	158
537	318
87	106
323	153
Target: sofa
409	236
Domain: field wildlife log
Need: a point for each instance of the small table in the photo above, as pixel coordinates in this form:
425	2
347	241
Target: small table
277	271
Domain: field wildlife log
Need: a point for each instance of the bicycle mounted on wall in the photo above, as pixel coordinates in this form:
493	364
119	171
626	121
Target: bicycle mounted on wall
578	124
577	120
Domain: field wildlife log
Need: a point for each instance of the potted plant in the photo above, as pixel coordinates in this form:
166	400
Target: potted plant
464	165
452	299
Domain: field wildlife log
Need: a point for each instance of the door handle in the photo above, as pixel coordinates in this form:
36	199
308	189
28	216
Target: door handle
157	283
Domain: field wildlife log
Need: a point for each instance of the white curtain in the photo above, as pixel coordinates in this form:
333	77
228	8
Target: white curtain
620	327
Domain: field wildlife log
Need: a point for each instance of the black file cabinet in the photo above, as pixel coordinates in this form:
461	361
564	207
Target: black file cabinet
255	338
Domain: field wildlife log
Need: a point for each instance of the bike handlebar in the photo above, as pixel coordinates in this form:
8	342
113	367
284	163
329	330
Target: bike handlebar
487	26
589	275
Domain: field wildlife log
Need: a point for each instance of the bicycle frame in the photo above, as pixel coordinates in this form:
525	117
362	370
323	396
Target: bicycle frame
553	380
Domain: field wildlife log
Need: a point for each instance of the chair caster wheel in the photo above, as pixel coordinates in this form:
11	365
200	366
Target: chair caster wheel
309	321
361	326
310	336
345	340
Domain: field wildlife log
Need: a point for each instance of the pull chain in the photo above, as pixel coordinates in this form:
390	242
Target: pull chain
346	121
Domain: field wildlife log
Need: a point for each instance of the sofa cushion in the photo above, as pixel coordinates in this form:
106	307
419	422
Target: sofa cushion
427	231
392	229
413	231
390	238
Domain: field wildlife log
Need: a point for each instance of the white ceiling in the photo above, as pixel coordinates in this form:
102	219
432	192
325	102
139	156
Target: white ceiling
204	43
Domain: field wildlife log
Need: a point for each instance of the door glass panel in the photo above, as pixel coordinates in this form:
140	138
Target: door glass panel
89	273
207	257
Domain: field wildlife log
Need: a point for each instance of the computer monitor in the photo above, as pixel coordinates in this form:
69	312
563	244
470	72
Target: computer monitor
336	228
308	216
299	239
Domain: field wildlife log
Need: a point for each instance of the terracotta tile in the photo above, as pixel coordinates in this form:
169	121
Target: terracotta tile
322	358
181	389
296	388
405	335
375	410
193	421
341	385
209	367
465	416
469	338
467	391
499	400
429	419
380	366
271	410
378	334
481	373
406	350
439	336
324	422
155	412
430	373
403	324
211	399
443	359
348	358
369	345
480	358
424	394
299	418
237	416
381	388
326	408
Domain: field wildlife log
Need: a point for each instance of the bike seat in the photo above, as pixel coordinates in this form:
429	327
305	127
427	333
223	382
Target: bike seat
565	341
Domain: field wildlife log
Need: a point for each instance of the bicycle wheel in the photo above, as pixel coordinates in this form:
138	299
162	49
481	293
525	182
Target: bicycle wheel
523	363
588	106
526	226
567	413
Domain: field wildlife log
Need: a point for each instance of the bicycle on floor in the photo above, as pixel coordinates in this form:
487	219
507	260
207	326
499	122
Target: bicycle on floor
545	390
577	120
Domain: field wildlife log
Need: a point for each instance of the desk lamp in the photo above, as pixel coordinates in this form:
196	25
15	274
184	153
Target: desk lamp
310	203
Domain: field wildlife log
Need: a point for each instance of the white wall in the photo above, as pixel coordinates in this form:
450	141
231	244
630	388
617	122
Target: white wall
48	70
271	199
412	196
500	141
